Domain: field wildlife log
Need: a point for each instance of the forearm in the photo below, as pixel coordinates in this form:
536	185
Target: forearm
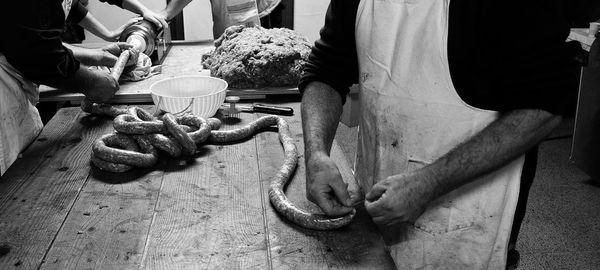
134	6
91	24
75	83
175	7
502	141
92	57
321	110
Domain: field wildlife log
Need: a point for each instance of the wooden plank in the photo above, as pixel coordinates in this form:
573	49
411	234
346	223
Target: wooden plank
357	246
209	213
108	225
43	187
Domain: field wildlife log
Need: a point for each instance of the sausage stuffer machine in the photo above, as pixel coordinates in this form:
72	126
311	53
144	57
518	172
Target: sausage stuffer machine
145	38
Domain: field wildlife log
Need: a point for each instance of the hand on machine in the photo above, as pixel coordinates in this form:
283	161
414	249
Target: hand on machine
140	36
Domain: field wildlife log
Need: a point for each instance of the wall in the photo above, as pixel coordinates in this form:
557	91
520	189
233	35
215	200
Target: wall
309	16
113	17
197	20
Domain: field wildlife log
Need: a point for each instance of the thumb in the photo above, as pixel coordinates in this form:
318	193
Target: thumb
375	193
341	193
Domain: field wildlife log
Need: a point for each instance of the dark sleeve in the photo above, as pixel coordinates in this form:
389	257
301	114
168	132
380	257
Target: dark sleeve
582	12
118	3
78	12
520	63
333	59
35	46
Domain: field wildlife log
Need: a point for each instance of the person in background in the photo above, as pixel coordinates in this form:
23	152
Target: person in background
138	8
454	100
35	54
233	12
81	17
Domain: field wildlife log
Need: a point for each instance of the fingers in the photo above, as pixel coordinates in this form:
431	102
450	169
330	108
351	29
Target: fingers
376	208
376	192
163	22
133	57
124	45
340	189
331	206
108	60
156	20
133	21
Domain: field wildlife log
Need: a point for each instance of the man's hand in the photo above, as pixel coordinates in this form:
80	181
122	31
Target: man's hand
399	198
99	86
115	34
116	48
112	52
158	19
325	186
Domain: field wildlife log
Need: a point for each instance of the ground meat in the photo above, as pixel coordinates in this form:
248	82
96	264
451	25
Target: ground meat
255	57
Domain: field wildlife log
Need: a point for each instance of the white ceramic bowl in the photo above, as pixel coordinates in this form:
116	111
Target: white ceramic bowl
196	94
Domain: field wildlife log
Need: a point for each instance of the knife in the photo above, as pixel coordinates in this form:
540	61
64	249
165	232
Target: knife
266	108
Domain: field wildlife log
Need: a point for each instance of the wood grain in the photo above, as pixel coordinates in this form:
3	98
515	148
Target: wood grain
108	226
43	187
209	213
357	246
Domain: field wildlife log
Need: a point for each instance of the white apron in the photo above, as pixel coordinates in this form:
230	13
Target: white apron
239	12
411	115
233	12
20	121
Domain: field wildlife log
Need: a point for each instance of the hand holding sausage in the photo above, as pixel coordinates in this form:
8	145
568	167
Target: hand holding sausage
325	187
399	198
99	85
112	51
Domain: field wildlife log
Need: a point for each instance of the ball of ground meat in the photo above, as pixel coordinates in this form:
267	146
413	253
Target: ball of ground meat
255	57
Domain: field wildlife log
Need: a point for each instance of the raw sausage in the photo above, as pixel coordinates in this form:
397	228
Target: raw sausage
128	152
188	131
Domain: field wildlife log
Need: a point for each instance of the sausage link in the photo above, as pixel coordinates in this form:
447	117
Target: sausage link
141	114
109	166
164	143
129	124
147	148
218	136
187	144
276	189
103	148
214	123
280	201
203	127
103	109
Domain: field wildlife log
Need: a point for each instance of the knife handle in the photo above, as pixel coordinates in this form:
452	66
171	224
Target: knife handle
264	108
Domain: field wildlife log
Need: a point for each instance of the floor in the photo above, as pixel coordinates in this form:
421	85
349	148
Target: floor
561	229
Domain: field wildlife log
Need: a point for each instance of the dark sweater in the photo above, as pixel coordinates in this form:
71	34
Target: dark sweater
503	55
32	38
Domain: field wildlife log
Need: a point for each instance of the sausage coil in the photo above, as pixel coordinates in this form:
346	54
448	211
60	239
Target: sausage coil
140	134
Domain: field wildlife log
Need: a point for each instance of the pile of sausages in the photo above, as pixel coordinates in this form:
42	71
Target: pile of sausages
139	135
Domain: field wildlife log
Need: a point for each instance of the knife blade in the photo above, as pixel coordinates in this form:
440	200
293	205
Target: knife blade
266	108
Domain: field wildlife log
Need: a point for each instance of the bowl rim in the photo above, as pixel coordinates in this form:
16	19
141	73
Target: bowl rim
188	76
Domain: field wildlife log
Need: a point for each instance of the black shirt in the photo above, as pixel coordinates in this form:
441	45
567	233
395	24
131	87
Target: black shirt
31	38
503	55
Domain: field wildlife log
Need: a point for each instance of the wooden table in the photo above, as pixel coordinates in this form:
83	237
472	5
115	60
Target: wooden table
184	58
210	211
